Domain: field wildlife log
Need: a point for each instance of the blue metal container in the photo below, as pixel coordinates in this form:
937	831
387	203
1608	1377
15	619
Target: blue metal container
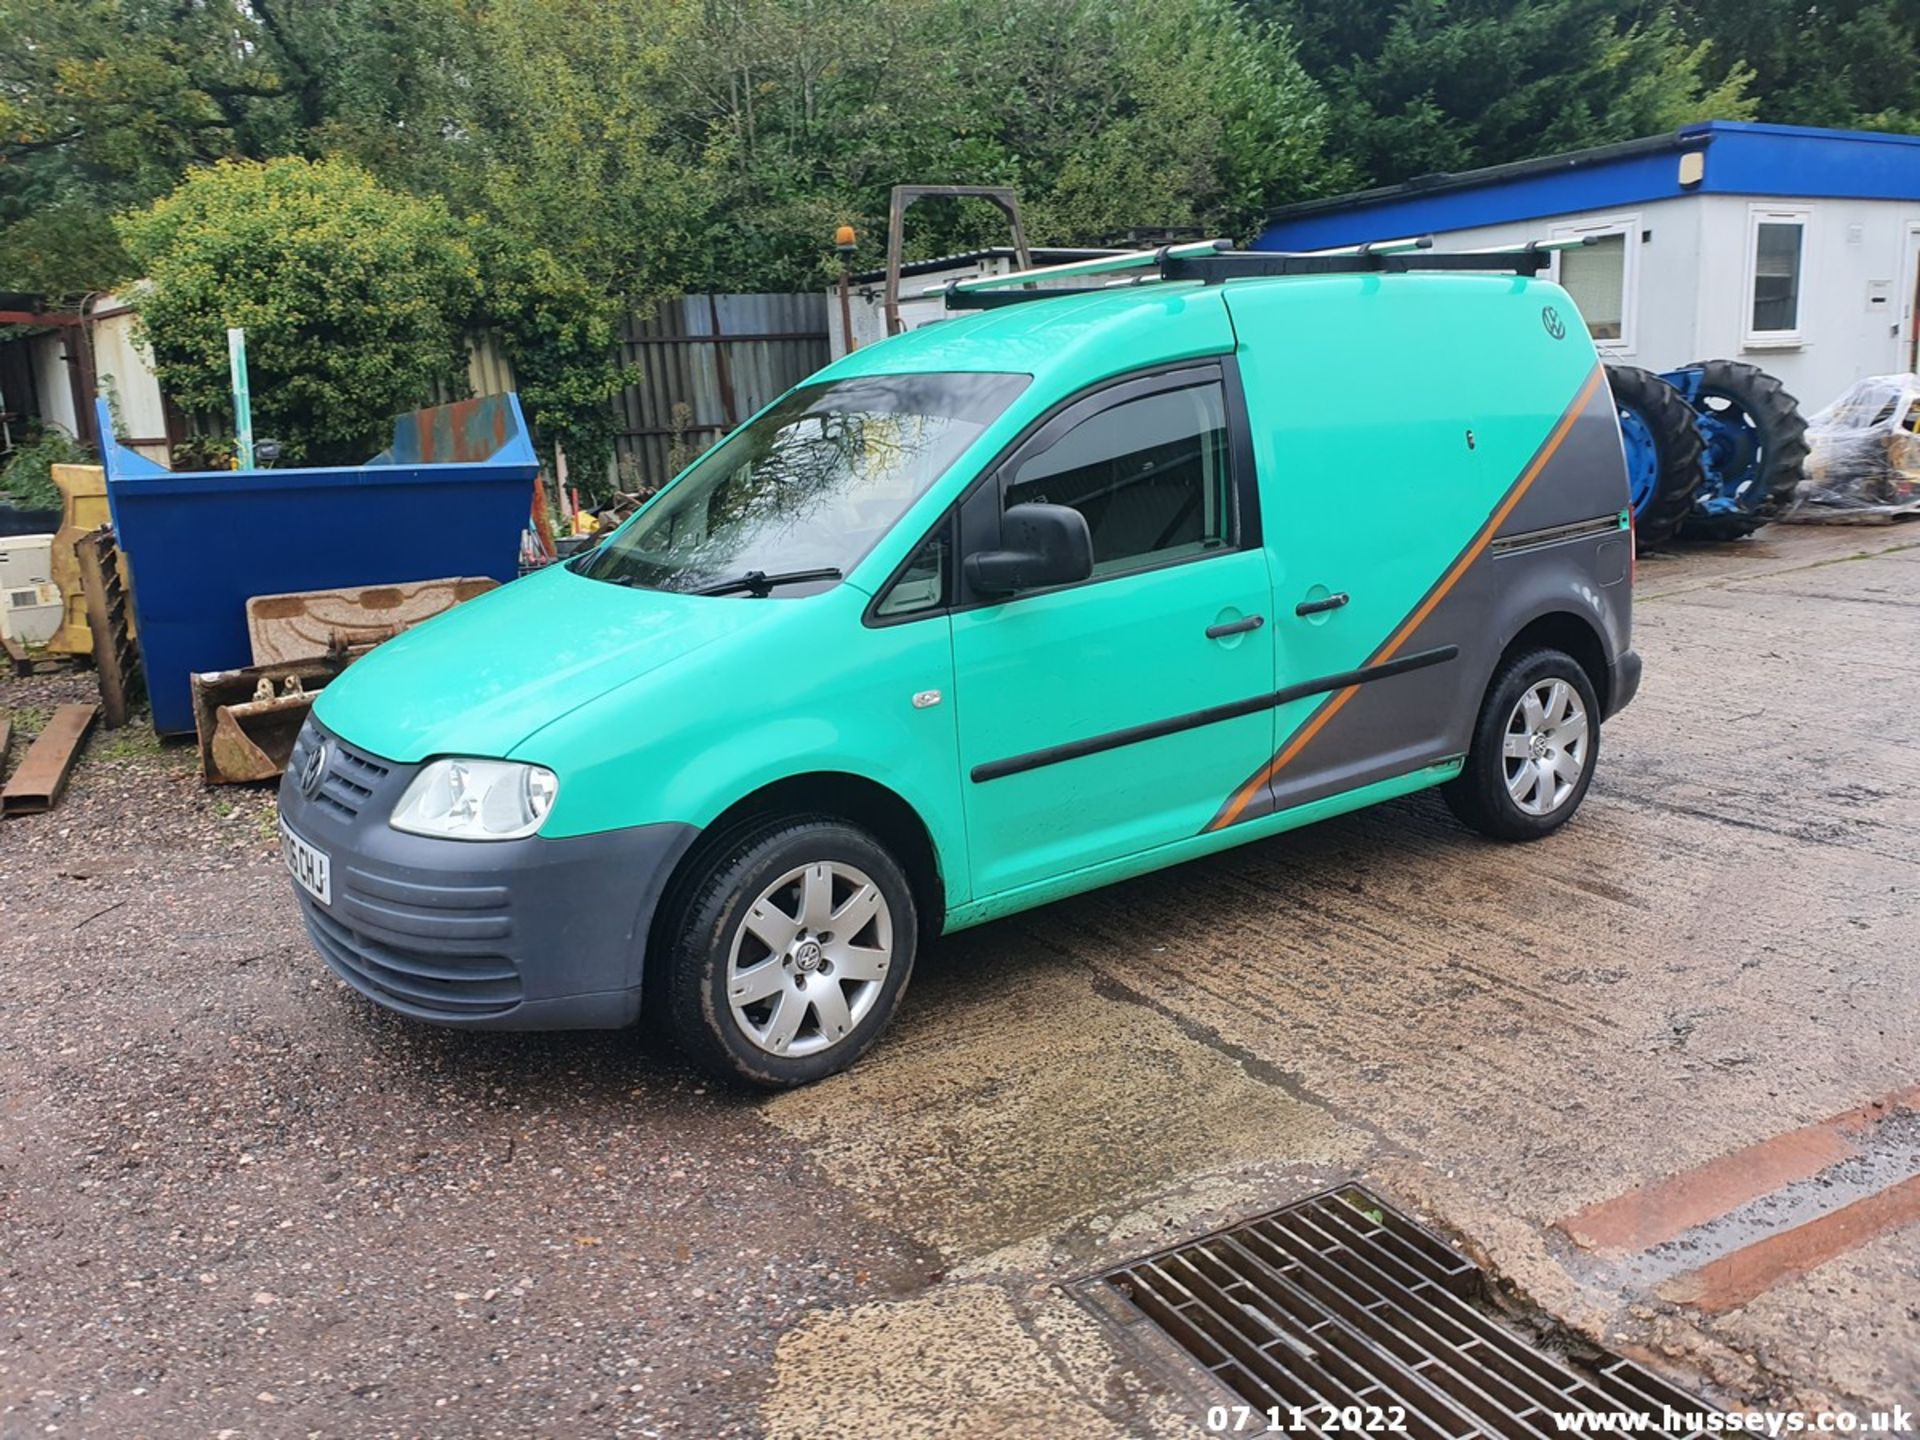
450	496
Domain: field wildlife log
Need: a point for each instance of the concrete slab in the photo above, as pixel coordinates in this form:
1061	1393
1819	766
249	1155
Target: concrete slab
993	1121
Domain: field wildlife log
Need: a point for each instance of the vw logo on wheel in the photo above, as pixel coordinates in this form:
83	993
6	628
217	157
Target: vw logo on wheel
314	771
1556	327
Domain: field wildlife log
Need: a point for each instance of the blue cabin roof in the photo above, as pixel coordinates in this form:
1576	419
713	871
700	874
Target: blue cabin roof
1740	159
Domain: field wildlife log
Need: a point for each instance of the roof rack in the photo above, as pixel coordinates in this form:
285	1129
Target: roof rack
1210	262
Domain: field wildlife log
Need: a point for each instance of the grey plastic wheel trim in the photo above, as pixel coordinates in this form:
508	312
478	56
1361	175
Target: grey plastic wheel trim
803	971
1546	746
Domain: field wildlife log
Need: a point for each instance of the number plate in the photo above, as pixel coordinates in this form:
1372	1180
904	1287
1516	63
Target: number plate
311	869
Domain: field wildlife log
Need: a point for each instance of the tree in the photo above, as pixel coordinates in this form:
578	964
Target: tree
353	298
1425	86
1103	116
129	92
1202	119
581	211
1847	63
105	103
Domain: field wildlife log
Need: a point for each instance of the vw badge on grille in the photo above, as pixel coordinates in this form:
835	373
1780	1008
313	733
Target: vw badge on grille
314	771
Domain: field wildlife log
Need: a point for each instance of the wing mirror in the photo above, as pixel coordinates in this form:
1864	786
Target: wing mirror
1041	545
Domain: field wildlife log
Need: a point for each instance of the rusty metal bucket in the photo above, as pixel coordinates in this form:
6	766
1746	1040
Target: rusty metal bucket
248	719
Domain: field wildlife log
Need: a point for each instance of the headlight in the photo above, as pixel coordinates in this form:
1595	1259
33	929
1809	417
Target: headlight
476	800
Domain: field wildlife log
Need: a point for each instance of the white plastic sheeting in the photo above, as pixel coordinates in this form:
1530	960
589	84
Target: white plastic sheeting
1865	459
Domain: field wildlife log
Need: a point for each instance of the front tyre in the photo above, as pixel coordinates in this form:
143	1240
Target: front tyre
790	952
1533	749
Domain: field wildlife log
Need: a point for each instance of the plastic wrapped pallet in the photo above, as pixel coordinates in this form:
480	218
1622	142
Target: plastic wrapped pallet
1865	460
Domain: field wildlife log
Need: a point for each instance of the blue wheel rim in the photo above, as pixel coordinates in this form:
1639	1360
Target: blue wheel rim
1730	457
1643	460
1731	463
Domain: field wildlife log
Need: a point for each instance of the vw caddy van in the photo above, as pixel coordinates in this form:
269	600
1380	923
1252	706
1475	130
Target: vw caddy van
1007	607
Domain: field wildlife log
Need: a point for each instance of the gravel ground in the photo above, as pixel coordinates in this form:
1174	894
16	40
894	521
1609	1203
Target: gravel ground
235	1197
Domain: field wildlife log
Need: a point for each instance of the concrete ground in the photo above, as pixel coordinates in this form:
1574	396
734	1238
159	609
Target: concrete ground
1657	1072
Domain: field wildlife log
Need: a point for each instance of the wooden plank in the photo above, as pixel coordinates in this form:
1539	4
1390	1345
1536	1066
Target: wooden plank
6	737
1746	1273
17	653
1663	1210
42	775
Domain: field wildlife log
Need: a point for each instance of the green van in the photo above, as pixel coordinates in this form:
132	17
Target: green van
1011	606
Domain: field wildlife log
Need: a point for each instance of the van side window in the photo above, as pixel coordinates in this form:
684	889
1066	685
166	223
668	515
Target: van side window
922	585
1151	475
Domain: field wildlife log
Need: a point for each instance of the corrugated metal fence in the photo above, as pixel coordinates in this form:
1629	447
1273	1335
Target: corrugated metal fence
489	372
706	363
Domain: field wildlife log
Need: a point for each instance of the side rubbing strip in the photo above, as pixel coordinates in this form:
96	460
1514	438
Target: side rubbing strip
1557	534
1212	715
1241	798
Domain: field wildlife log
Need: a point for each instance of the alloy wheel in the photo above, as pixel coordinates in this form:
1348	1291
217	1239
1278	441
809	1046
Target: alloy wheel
808	961
1547	745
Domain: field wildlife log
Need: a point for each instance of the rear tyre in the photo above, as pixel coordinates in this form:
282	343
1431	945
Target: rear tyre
1533	749
789	952
1663	451
1756	449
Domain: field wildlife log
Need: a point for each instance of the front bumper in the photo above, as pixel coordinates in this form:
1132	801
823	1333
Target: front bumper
530	934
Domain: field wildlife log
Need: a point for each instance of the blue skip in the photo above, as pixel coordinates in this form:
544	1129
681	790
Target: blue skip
448	497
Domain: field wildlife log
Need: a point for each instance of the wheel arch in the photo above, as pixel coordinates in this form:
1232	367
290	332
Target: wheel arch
1576	634
861	801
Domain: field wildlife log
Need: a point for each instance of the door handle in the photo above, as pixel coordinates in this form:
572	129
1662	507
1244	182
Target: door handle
1235	627
1322	605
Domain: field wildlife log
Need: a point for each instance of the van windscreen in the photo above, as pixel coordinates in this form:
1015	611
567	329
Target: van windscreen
806	487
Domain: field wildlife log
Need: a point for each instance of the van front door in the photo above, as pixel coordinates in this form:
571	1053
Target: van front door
1109	717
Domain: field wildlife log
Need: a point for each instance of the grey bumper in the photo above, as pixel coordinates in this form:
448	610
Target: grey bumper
527	934
1624	683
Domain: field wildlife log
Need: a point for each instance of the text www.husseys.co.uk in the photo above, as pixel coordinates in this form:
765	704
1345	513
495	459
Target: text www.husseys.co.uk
1897	1421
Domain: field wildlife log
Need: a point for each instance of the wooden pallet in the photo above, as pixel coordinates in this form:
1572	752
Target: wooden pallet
115	656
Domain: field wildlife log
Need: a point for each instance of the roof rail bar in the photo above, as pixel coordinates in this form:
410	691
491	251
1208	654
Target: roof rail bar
1101	265
1381	247
1214	261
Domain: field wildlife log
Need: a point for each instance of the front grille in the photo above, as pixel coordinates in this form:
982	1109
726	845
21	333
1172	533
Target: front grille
350	778
1339	1301
432	984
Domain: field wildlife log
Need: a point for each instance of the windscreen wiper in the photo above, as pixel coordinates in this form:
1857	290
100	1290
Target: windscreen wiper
759	582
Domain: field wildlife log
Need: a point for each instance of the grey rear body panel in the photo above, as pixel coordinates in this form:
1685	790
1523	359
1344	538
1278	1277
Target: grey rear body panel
530	934
1559	551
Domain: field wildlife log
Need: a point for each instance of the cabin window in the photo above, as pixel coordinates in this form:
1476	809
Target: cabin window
1602	278
1776	259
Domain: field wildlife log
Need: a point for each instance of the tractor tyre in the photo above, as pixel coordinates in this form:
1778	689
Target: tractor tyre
1781	433
1663	451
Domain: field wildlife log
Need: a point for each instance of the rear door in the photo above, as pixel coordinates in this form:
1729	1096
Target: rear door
1384	471
1103	719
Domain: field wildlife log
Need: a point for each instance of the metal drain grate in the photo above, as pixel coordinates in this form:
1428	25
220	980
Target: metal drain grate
1339	1302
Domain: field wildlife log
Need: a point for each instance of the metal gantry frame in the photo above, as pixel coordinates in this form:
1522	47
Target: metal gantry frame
902	200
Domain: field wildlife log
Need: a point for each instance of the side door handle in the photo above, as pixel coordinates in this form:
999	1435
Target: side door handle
1322	605
1235	627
